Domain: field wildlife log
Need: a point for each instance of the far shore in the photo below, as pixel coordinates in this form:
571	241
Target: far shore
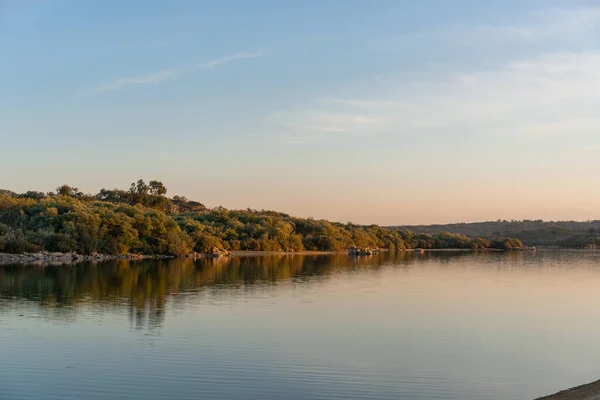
589	391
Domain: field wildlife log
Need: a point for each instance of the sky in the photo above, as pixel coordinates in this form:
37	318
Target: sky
371	111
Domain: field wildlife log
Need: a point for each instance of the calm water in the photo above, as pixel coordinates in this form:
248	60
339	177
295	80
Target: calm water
391	326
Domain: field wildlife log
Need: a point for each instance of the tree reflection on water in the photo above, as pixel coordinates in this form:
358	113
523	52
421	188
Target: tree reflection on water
145	288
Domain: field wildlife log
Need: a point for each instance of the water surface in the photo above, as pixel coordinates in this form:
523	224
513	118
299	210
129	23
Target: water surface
389	326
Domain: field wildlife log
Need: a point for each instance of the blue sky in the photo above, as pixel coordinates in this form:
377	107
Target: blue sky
374	111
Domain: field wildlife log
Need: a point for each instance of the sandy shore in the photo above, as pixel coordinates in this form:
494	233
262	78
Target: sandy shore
590	391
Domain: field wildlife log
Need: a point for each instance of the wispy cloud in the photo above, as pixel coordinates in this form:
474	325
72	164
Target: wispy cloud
225	60
145	79
157	77
548	94
544	93
305	126
550	27
561	22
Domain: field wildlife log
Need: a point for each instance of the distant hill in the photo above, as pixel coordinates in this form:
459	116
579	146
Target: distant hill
531	232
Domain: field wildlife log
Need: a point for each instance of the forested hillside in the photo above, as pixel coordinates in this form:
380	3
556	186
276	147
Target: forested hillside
143	220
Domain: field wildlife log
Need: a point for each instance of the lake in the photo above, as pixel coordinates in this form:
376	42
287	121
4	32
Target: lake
438	325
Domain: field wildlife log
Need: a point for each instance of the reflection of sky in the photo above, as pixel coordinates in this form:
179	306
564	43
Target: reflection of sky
491	326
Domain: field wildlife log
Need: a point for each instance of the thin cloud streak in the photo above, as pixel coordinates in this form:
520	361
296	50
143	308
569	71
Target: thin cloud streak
146	79
541	94
225	60
155	78
546	95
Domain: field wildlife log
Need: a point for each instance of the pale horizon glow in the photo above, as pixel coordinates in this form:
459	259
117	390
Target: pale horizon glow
389	113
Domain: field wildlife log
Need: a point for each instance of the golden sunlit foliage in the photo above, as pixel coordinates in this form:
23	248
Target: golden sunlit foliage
143	220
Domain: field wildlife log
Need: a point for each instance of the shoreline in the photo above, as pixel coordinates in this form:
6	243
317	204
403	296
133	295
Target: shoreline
588	391
250	253
45	257
57	258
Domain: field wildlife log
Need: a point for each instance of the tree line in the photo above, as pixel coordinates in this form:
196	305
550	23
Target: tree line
143	220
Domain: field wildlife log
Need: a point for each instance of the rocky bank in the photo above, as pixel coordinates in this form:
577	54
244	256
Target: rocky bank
47	257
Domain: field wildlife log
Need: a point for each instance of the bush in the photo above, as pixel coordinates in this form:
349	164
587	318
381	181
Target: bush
204	242
59	242
11	243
